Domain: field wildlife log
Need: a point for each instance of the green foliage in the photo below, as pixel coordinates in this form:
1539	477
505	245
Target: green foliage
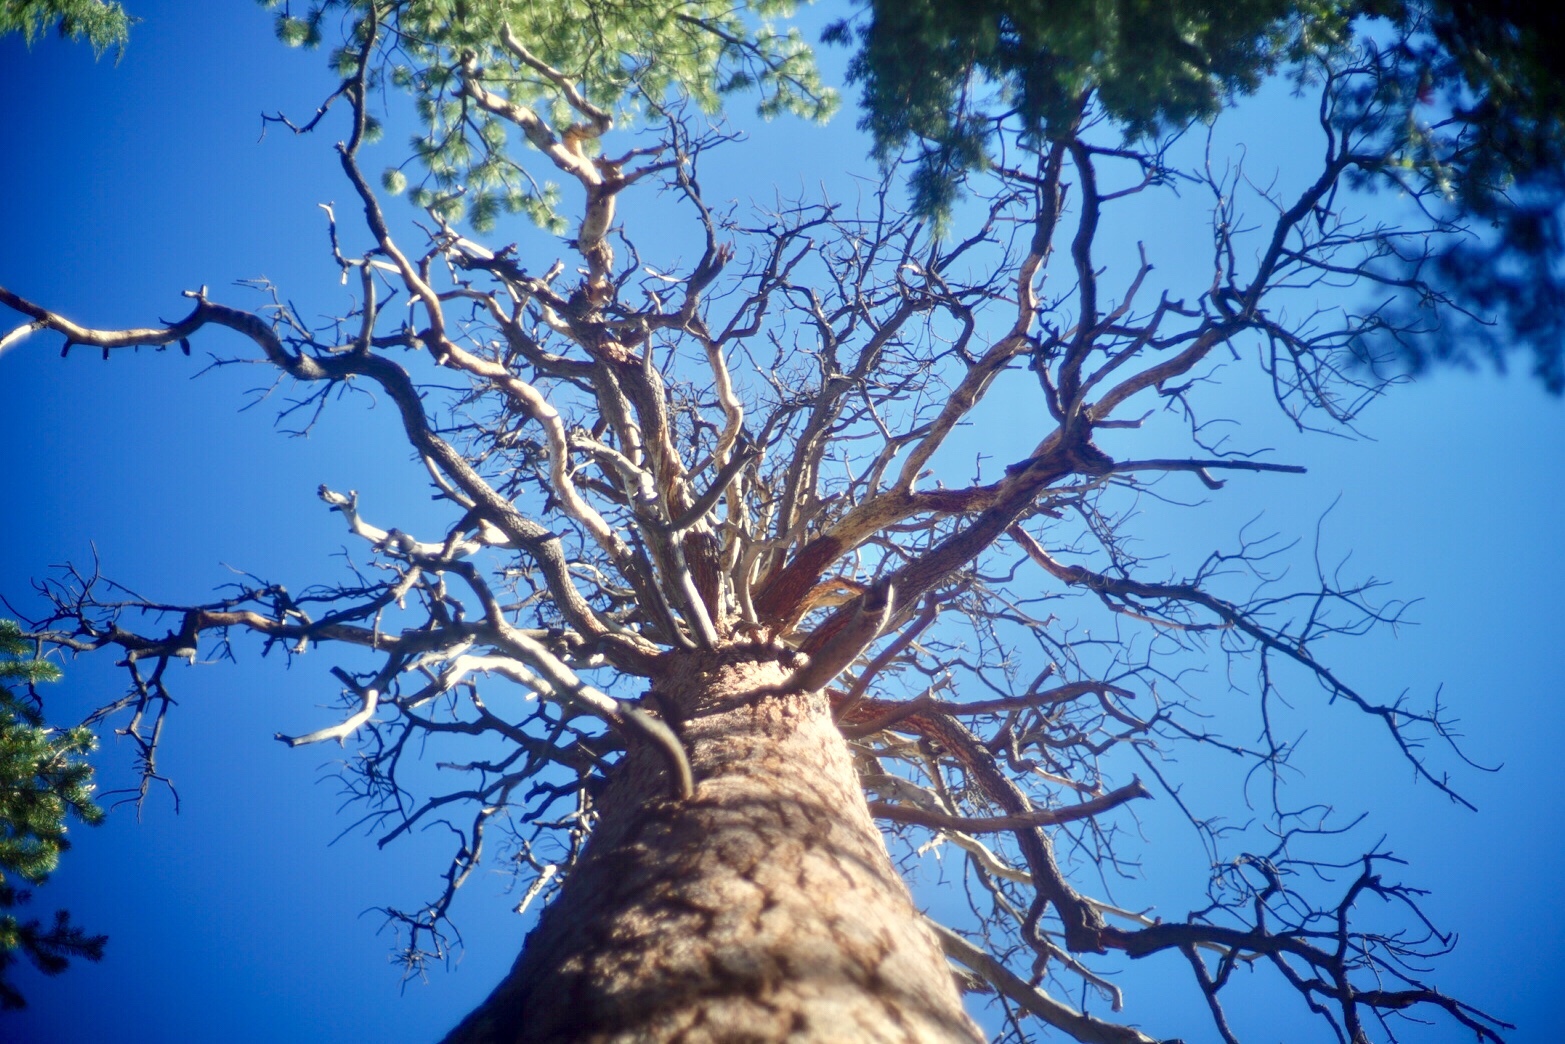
943	71
43	779
1486	83
104	25
633	59
1464	103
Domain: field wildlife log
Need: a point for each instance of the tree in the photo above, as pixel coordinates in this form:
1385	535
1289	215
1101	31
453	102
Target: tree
103	25
1471	101
691	515
43	779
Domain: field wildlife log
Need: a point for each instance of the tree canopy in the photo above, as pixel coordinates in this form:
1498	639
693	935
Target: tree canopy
1465	98
665	448
101	24
44	779
626	61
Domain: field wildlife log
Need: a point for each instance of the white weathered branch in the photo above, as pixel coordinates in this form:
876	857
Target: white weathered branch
562	681
601	120
394	539
369	699
1061	1016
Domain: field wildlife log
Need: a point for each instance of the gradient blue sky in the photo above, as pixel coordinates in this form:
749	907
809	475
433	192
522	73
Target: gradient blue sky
237	919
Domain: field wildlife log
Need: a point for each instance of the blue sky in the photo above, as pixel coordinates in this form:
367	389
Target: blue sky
238	919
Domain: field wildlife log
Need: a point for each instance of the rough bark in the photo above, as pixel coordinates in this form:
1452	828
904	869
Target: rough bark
765	908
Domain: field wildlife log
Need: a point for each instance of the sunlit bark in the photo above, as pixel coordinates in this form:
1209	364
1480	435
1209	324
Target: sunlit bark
764	908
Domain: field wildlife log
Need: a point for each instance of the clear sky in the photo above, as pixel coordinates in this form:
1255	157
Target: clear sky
237	919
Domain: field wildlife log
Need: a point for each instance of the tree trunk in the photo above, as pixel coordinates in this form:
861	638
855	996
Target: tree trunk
765	908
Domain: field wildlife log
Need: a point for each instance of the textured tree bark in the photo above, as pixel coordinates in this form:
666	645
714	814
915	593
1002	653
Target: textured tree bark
765	908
